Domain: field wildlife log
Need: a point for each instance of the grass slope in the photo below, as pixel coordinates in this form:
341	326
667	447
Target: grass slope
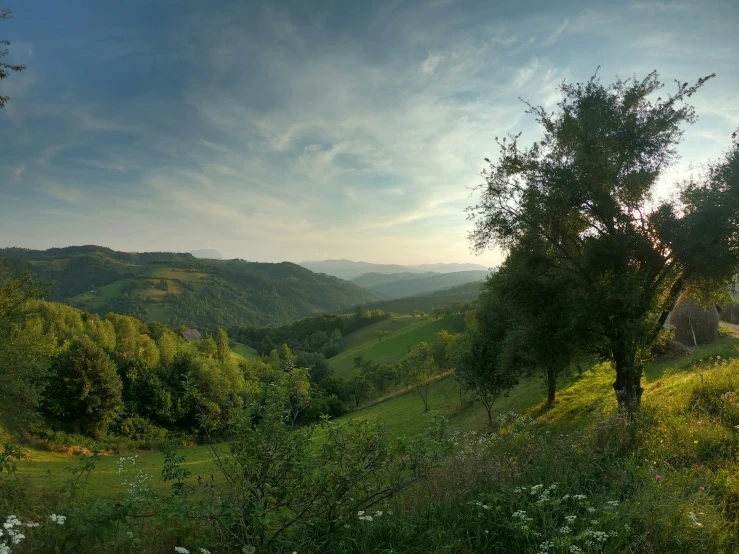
427	302
244	351
582	402
425	283
389	350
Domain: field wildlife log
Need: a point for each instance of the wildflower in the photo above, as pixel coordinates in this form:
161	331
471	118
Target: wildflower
360	513
378	513
659	477
58	519
129	535
565	530
181	550
591	509
694	520
206	551
575	549
570	519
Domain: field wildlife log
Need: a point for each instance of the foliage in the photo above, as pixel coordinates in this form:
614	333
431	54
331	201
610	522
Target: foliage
6	68
585	190
479	364
419	368
279	484
87	388
24	349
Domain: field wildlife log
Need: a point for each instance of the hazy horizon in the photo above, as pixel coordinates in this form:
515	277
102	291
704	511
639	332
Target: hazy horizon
312	131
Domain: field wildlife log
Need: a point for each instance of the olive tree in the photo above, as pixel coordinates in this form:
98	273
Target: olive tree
587	190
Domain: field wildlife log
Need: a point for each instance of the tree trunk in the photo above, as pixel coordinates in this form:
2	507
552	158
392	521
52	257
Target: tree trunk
551	386
628	384
490	415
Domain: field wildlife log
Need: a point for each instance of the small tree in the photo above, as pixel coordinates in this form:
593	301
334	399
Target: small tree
208	346
359	389
419	368
478	366
381	334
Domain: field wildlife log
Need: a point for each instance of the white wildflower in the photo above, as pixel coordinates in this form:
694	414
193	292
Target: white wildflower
694	520
181	550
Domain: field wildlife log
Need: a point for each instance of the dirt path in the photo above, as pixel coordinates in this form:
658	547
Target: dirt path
733	329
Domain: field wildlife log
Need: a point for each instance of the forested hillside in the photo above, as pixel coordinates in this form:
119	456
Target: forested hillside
439	300
179	289
399	285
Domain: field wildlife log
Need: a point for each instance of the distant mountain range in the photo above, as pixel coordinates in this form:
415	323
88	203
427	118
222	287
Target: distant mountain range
207	253
180	289
348	269
400	285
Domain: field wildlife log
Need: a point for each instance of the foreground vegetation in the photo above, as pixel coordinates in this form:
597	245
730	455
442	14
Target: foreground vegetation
662	483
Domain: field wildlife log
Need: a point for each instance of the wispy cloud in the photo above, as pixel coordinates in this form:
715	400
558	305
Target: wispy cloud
61	192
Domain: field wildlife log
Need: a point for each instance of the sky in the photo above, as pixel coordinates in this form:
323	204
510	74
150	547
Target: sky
305	130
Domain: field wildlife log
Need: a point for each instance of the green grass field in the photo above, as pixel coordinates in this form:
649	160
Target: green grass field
580	401
244	351
367	334
179	274
103	293
391	349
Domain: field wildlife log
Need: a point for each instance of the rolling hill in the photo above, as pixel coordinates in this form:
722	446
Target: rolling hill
180	289
405	333
426	303
399	285
348	269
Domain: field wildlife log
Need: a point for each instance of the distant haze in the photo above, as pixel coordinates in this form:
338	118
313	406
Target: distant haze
208	253
348	269
317	130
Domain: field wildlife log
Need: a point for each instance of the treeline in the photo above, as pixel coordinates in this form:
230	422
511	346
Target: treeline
440	300
232	292
321	334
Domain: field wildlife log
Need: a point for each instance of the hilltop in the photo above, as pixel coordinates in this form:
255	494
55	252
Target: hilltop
399	285
180	289
348	269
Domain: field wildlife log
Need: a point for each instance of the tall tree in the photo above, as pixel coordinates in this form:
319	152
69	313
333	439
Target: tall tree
587	191
6	68
543	312
86	387
24	348
223	352
419	370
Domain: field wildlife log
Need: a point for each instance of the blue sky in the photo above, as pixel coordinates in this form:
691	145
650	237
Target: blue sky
311	129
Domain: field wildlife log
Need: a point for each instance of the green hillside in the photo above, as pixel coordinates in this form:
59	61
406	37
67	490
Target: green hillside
389	350
246	352
426	303
400	285
374	279
179	289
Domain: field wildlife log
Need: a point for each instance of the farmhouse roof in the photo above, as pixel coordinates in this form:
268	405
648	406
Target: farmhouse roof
191	335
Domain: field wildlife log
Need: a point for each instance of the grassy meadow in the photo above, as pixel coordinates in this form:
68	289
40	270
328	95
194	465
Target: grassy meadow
406	333
582	402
